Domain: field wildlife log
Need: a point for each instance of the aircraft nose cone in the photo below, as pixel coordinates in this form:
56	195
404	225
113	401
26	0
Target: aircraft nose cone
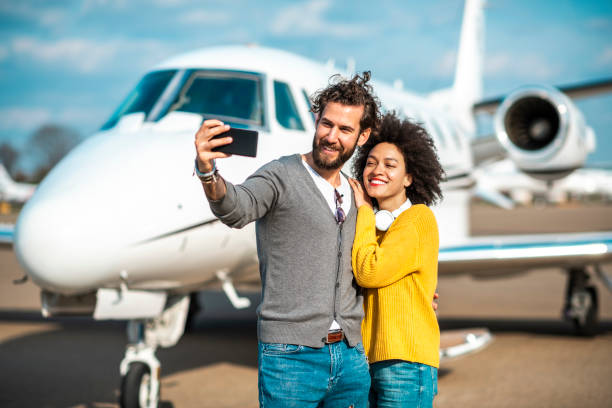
80	229
54	246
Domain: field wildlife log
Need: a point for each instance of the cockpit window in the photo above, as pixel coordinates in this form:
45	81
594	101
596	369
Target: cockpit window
143	97
233	97
286	111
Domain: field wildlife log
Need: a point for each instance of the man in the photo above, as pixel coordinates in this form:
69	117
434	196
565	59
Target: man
309	321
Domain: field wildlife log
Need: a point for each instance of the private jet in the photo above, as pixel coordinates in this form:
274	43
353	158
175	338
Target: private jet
12	191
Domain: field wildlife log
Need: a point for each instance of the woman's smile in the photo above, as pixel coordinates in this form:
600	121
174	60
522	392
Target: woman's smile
385	176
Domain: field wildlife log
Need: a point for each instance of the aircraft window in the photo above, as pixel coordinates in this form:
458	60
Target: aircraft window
232	97
286	110
425	121
448	132
438	131
456	136
143	97
308	103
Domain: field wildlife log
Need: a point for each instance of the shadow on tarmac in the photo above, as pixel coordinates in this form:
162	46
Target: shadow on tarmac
548	327
75	361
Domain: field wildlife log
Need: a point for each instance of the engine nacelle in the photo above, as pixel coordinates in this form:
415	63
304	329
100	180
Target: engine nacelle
543	132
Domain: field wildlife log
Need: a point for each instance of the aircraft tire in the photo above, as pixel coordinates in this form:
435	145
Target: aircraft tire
588	328
135	386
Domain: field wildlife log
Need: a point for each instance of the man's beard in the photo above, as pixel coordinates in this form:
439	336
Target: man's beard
317	156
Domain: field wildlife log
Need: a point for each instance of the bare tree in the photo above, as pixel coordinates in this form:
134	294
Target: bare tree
8	157
49	144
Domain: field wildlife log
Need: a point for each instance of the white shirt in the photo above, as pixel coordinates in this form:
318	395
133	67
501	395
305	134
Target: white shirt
327	190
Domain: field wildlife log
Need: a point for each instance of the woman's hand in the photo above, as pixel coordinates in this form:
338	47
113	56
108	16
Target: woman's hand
434	304
361	197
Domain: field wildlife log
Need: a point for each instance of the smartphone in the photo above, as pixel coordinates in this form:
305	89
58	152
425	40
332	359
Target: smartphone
244	142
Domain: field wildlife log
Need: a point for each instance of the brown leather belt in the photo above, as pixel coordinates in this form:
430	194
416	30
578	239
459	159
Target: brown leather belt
334	336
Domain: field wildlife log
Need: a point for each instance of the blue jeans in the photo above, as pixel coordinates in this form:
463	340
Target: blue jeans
397	383
334	376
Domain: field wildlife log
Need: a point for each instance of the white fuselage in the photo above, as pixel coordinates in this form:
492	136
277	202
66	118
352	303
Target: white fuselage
126	201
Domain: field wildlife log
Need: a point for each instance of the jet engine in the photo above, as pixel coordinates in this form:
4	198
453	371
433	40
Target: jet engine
543	132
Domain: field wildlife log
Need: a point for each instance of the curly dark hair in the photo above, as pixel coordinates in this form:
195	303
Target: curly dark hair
419	153
351	92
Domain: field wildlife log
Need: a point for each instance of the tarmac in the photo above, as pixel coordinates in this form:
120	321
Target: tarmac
534	360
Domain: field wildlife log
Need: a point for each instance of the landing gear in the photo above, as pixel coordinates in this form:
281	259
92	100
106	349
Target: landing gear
140	369
581	303
137	387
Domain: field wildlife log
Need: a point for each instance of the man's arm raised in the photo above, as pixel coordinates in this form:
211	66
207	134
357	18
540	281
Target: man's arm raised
214	186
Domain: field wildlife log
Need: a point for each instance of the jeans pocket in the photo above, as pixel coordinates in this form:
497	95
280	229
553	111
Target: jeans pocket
275	349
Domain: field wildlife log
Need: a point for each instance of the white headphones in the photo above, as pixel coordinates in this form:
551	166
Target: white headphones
385	218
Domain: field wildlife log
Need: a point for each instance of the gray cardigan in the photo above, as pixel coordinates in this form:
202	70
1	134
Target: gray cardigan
304	256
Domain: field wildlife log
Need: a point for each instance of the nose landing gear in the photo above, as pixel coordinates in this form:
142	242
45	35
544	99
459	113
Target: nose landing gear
138	388
140	369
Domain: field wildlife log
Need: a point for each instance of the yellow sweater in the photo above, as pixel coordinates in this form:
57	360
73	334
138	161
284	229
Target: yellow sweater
398	270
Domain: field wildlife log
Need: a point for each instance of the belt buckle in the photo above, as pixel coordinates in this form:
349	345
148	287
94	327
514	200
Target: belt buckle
334	336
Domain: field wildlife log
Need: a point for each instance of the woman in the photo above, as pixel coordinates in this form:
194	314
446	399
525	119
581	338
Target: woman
395	260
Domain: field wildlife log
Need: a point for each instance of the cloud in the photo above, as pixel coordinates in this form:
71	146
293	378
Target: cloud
23	119
444	13
529	66
3	52
51	18
79	117
45	16
89	5
307	19
446	66
599	23
89	56
169	3
204	17
84	55
604	59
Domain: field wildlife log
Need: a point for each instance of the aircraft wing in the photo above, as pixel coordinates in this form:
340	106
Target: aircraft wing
498	255
6	234
486	149
576	91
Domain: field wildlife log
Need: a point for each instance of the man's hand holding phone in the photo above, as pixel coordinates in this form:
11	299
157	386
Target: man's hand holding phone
204	144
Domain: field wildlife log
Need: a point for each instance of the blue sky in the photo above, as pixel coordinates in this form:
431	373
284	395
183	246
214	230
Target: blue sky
72	61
